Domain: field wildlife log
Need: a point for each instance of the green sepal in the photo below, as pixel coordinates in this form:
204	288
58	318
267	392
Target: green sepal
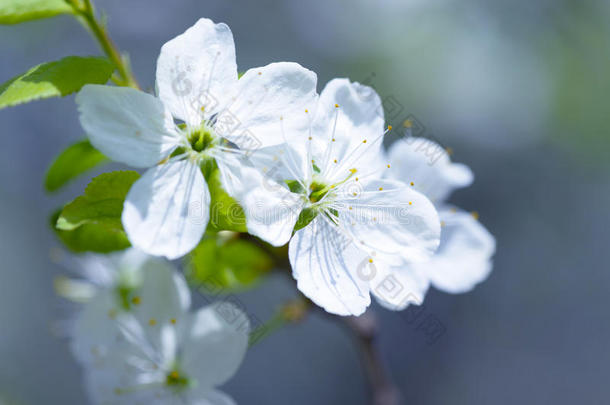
295	186
305	217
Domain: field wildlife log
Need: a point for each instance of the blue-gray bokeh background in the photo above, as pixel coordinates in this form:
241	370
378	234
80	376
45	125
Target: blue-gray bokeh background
517	89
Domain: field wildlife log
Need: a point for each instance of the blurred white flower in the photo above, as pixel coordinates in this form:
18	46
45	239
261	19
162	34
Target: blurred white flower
167	210
128	282
178	362
464	255
352	227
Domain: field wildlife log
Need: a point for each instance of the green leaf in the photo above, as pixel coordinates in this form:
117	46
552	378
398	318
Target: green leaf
75	160
102	203
91	237
225	211
17	11
233	264
55	79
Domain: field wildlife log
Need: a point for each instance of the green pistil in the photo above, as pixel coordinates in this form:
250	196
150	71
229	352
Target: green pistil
124	296
201	139
317	191
175	380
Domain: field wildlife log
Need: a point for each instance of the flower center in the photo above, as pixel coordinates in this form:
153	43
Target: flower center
175	380
317	191
201	138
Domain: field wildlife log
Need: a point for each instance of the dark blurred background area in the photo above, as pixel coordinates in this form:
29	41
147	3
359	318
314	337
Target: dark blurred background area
518	90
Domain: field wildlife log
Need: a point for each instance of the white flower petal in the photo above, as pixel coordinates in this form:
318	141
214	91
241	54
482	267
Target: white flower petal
392	219
235	181
269	106
215	344
214	397
280	162
163	294
348	127
464	255
196	69
396	287
127	125
95	331
167	209
329	268
271	210
427	165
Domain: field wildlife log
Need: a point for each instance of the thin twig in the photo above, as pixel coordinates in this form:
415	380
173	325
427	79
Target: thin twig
87	13
364	328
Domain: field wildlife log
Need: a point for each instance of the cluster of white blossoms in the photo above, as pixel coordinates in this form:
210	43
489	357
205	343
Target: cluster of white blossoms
139	342
307	169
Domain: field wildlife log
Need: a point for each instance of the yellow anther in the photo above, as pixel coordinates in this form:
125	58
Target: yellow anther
306	110
174	375
350	207
152	321
370	260
389	127
336	105
310	140
412	183
335	160
475	215
333	139
173	321
380	188
136	300
352	171
354	194
202	108
332	186
410	203
356	178
281	117
407	124
260	73
389	165
443	223
364	141
374	218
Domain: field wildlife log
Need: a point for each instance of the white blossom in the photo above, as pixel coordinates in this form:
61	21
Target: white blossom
464	255
203	116
353	227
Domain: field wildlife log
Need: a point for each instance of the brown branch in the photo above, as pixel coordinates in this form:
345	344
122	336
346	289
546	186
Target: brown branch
364	328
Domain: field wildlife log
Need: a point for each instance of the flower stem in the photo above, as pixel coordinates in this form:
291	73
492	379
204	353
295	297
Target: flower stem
87	13
364	329
291	312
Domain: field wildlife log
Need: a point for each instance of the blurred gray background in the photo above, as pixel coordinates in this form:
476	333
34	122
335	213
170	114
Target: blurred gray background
517	89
